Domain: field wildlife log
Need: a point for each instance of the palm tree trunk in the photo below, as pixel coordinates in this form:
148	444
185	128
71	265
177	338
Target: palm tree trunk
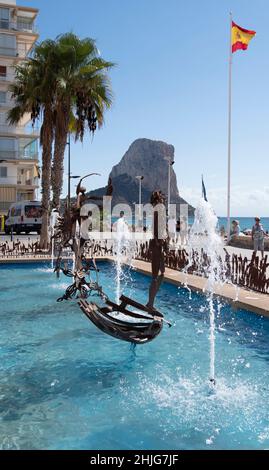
61	134
46	141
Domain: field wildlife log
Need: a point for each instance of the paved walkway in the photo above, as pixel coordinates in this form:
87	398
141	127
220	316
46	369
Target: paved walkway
242	251
234	250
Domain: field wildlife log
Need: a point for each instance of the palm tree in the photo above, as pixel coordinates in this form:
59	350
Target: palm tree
33	92
64	82
83	93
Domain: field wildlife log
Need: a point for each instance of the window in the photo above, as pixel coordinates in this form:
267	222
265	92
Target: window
3	97
7	144
7	147
3	119
4	18
29	151
8	45
33	212
24	23
3	172
3	72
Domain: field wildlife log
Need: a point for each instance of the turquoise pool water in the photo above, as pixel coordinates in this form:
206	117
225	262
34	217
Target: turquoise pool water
66	385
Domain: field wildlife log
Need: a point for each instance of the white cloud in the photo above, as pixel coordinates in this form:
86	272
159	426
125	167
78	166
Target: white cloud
245	201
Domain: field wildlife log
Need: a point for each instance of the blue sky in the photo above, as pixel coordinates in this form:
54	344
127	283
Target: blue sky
171	84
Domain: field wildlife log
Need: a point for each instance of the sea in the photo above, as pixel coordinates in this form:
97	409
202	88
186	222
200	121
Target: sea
244	222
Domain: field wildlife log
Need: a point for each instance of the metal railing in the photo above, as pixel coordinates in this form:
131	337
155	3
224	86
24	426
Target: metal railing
18	155
247	273
19	130
27	182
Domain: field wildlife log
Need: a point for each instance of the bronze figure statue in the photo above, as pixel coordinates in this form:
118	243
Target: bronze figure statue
158	246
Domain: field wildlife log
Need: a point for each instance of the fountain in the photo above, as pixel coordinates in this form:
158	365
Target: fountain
53	222
76	241
206	246
122	249
52	253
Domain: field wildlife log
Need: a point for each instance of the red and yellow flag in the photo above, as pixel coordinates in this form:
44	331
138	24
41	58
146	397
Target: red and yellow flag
241	37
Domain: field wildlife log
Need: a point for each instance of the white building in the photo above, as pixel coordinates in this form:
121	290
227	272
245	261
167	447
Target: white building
18	144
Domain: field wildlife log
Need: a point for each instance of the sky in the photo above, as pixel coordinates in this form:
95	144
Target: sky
171	84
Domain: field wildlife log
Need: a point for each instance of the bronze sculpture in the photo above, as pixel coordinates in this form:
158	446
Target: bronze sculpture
149	323
158	246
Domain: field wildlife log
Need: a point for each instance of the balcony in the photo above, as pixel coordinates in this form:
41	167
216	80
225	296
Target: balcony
19	130
19	25
27	182
18	155
20	52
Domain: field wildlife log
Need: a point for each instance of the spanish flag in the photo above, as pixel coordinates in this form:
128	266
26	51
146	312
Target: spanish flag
241	37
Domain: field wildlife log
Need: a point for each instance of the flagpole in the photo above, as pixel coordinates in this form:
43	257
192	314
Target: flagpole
229	136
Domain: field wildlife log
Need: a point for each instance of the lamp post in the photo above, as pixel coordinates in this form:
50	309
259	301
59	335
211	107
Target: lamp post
170	164
140	179
71	177
69	171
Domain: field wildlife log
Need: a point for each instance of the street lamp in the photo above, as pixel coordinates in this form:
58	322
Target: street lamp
70	177
69	171
170	164
140	178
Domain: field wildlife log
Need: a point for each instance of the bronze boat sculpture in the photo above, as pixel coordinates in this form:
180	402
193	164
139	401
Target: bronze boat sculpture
139	332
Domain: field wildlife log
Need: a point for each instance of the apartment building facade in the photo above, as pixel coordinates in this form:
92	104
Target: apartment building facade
18	144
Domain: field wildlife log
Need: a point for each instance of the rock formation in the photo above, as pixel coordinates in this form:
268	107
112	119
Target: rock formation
148	158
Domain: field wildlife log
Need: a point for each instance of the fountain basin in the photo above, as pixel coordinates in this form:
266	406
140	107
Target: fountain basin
66	385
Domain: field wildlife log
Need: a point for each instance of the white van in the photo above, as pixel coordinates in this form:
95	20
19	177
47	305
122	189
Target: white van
24	216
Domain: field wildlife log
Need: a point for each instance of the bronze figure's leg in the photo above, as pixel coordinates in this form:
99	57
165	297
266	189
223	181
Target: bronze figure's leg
158	266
